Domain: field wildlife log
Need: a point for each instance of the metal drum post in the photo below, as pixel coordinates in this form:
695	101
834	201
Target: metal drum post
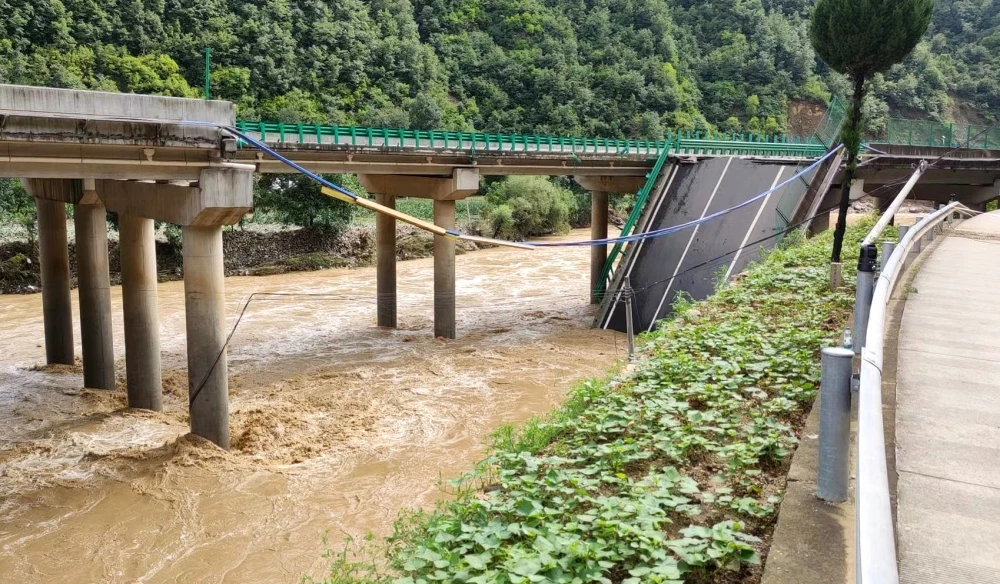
833	477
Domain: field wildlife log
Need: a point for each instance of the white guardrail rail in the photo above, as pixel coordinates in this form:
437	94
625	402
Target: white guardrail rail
875	535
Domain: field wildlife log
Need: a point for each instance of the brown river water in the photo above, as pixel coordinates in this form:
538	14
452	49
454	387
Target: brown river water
337	425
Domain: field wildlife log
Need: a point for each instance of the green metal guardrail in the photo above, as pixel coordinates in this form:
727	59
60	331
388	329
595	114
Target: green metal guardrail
633	218
680	142
931	133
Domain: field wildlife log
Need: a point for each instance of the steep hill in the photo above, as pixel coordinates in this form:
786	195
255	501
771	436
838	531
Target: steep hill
612	68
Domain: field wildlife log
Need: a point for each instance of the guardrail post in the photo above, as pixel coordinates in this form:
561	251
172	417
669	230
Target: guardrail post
834	472
887	248
863	295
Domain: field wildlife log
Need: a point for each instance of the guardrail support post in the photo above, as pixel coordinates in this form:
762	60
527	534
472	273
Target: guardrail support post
834	473
863	295
887	248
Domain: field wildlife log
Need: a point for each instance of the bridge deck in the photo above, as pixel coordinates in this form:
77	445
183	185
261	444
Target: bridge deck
948	412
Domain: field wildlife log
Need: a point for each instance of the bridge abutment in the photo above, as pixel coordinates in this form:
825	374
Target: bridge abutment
96	333
140	305
53	255
385	252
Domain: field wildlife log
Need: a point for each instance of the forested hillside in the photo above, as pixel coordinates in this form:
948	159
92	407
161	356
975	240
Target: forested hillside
613	68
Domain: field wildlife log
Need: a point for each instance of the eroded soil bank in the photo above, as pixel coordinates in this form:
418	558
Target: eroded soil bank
336	425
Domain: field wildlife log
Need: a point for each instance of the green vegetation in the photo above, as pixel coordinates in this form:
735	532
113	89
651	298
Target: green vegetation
669	472
17	207
526	206
295	199
860	38
617	68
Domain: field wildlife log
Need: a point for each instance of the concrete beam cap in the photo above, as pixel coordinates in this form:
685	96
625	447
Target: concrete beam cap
222	197
611	184
462	183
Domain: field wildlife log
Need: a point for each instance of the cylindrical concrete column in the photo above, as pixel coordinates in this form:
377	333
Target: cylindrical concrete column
444	272
137	246
598	230
57	308
205	312
94	289
385	275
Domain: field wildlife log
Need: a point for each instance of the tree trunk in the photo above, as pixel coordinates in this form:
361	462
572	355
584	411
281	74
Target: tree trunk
852	141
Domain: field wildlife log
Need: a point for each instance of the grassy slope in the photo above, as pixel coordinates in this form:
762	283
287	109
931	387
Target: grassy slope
670	472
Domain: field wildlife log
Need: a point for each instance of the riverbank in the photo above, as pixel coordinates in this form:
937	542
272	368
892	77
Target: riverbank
246	253
670	472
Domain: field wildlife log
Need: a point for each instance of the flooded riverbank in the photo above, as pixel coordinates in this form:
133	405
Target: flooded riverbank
336	424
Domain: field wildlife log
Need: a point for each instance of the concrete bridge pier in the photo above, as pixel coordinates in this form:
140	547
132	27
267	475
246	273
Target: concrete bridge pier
205	314
600	187
444	272
53	256
222	195
445	191
598	230
91	222
385	253
140	305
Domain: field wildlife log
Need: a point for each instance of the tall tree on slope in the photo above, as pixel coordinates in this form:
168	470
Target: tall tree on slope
860	38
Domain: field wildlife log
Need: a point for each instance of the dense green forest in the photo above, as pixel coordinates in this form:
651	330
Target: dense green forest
612	68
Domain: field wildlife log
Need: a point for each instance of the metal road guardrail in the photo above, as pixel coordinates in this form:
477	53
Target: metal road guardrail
875	534
940	134
705	143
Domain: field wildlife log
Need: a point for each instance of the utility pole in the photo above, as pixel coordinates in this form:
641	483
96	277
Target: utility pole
629	331
208	72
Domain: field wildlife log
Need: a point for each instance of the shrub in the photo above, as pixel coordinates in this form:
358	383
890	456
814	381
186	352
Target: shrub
526	206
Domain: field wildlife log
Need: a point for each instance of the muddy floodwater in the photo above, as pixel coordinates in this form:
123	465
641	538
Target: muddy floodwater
336	424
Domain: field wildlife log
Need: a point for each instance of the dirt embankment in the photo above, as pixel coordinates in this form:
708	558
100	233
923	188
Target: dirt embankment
804	117
247	253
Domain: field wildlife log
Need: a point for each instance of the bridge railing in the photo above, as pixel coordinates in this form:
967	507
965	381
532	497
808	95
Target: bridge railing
900	132
875	535
703	143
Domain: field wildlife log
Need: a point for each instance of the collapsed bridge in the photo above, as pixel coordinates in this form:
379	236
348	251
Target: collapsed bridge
182	161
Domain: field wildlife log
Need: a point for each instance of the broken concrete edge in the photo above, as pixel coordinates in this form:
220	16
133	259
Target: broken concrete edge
29	101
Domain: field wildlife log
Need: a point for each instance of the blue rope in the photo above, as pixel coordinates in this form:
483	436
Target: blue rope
696	222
